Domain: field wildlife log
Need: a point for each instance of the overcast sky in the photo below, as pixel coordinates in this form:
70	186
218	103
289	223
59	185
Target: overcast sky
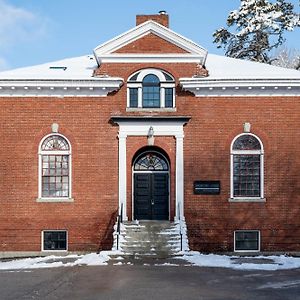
39	31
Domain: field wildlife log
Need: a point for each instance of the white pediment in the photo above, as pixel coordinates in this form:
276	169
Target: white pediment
194	53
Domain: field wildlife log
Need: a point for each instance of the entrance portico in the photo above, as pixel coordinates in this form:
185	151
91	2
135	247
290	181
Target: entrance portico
160	126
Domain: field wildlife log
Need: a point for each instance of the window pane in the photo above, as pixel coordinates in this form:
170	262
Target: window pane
151	91
246	175
246	142
54	173
55	142
168	97
168	77
151	96
246	240
151	80
133	97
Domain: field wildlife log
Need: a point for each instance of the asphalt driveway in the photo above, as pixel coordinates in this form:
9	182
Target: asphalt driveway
149	282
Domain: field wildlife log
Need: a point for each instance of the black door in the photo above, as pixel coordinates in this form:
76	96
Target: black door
151	196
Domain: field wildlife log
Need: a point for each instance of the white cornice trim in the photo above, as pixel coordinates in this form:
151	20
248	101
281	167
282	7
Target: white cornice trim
204	87
105	51
151	58
98	87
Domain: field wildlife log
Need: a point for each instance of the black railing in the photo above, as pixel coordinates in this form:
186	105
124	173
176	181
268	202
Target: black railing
180	225
119	221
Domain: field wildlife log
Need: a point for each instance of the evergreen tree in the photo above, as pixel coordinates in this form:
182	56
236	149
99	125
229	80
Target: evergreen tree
287	58
259	26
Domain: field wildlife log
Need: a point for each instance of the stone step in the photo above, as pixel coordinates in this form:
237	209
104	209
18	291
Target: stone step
150	238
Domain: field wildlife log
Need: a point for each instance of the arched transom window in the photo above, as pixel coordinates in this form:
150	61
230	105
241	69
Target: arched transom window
151	88
246	167
55	167
151	162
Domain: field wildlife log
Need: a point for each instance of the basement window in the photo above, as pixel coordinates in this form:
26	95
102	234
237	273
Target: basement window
247	240
55	240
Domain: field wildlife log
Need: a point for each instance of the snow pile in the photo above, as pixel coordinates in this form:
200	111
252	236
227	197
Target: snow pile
180	226
255	263
92	259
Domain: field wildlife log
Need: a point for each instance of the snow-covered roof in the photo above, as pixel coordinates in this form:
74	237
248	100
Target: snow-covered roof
68	77
219	68
222	67
79	68
235	77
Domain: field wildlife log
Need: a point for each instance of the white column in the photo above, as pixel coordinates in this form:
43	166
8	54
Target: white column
179	178
122	174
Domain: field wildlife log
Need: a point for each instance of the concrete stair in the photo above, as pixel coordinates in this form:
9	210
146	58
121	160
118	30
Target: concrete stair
151	239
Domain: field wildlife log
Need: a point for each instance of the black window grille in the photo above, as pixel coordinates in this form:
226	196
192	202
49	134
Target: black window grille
151	162
246	175
55	240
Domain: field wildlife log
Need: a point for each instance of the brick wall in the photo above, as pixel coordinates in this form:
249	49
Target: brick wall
86	123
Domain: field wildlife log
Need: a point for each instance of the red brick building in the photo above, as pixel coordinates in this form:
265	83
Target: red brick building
152	123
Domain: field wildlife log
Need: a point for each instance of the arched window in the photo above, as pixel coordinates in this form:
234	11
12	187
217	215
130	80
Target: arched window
151	91
247	167
151	162
151	88
54	167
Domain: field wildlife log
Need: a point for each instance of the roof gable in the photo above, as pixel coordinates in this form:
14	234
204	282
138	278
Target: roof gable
111	51
151	43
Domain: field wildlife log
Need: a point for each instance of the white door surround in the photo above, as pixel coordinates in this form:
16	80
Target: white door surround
162	126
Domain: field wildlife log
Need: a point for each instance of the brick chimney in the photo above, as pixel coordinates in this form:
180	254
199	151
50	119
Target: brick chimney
162	18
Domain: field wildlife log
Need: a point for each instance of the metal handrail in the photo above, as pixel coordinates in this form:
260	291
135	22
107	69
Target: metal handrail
119	221
180	226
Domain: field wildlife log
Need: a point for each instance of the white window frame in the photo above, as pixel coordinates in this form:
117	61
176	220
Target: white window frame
41	153
261	155
242	230
54	230
139	85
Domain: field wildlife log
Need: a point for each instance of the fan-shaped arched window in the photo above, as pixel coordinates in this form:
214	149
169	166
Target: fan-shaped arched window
54	167
246	167
151	162
151	88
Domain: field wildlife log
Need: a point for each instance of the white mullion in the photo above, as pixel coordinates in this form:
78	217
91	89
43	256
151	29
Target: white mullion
128	97
140	97
162	97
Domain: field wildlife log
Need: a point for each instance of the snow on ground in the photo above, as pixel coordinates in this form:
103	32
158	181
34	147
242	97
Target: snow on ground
266	263
91	259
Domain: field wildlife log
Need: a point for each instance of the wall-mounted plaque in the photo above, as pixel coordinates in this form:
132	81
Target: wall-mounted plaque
207	187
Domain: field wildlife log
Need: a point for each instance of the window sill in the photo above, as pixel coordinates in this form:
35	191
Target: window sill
247	199
51	252
157	109
55	200
246	251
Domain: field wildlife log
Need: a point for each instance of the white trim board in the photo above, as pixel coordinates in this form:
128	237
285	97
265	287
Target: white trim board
99	87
